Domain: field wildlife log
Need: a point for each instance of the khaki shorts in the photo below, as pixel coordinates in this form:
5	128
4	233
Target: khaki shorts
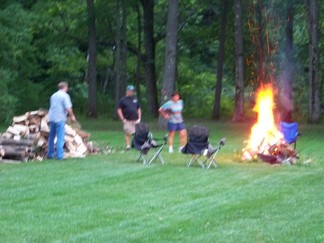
129	127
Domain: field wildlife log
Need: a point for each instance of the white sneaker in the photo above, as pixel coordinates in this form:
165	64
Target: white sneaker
170	149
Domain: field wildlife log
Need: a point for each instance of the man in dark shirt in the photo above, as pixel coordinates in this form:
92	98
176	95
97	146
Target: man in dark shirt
129	112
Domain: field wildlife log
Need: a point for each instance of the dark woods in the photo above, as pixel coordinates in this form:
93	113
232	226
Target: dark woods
216	53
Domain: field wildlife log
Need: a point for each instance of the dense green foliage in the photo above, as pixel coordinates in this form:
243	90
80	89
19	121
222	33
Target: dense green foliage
111	198
44	42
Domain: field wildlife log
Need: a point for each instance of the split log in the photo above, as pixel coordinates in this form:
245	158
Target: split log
33	128
16	137
22	142
68	138
16	153
20	119
44	125
32	136
33	113
7	135
2	151
84	135
69	130
23	129
70	146
82	149
78	140
9	161
41	141
12	130
34	120
42	112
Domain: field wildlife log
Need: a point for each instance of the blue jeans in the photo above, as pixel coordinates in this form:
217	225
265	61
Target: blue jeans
57	129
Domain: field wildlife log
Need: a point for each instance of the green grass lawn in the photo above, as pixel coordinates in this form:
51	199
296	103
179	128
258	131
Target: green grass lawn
113	198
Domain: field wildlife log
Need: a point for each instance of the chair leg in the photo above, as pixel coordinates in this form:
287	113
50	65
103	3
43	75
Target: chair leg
211	160
200	163
192	160
143	157
157	155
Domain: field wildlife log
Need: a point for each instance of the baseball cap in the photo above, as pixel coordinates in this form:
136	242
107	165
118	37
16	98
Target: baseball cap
130	88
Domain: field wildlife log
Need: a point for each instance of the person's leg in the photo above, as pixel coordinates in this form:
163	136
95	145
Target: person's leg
60	133
52	134
183	137
127	140
129	129
171	128
170	141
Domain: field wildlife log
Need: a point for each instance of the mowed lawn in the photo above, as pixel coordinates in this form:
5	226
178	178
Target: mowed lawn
112	198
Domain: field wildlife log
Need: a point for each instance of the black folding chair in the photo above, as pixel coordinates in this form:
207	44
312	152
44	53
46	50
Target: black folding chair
143	141
200	149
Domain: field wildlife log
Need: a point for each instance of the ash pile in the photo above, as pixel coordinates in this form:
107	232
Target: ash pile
26	139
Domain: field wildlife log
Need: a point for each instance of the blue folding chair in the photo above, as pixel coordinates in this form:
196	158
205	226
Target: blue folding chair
290	132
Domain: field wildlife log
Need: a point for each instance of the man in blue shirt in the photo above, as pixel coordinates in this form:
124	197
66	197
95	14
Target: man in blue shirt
60	106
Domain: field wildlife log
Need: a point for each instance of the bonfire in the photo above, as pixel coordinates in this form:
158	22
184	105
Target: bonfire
266	142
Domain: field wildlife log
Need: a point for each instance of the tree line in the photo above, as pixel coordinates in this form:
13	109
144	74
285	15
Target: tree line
216	53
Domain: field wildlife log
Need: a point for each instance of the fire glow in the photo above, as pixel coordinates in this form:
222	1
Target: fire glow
265	130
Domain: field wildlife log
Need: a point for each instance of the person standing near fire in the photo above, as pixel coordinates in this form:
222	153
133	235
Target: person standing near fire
172	111
129	112
60	107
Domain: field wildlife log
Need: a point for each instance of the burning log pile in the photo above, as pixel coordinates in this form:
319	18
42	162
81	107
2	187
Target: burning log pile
266	141
279	152
26	139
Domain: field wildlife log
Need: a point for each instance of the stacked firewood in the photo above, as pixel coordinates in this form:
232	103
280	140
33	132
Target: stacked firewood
26	139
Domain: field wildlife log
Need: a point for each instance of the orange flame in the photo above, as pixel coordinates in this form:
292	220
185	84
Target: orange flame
264	132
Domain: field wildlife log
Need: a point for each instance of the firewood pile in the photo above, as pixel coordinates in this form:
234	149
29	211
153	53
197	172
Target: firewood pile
26	139
277	153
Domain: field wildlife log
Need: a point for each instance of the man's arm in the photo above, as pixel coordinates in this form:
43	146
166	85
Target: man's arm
120	114
71	114
139	114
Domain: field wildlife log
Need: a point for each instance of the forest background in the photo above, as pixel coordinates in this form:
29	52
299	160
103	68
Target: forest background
216	53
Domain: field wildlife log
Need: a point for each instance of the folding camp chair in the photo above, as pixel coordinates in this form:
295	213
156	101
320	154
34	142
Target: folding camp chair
290	132
200	149
143	141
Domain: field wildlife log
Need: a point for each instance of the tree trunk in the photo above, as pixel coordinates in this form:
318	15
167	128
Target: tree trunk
92	71
220	62
121	53
170	56
261	78
123	48
239	62
314	81
149	45
139	51
286	94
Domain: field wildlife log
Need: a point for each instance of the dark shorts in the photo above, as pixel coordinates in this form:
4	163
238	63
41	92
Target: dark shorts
176	126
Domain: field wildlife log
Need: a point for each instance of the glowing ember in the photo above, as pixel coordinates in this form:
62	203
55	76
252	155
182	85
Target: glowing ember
264	133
